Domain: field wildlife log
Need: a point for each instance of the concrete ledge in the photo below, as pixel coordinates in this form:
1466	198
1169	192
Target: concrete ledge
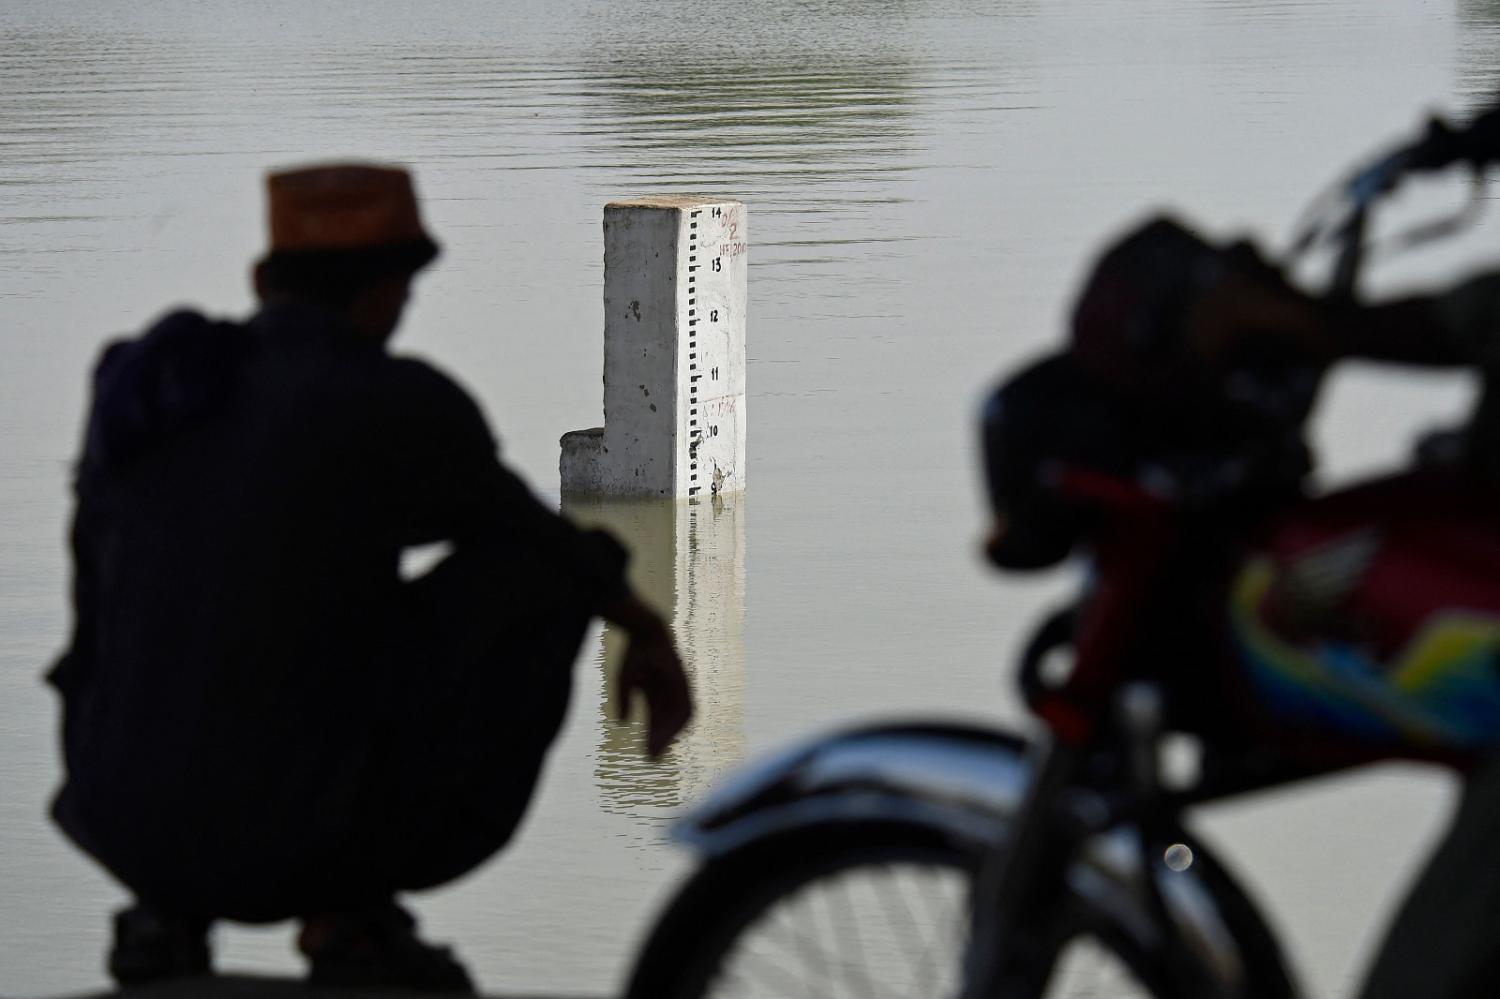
253	987
581	467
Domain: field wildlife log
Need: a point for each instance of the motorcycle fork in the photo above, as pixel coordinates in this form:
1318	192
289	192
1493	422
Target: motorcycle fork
1016	895
1019	895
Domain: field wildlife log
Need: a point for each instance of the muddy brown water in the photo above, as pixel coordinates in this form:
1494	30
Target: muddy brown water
927	180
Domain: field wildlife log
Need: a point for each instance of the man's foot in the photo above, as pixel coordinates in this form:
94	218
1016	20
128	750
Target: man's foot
151	945
378	948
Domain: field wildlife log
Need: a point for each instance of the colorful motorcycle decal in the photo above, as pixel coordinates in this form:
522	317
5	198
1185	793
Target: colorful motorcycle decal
1441	689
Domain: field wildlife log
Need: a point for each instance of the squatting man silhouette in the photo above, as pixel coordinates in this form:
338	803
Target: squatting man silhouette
261	720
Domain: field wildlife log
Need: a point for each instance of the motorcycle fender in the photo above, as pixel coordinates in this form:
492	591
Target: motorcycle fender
954	777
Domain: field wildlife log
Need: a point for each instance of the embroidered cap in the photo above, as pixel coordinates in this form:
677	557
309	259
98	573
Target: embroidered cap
346	208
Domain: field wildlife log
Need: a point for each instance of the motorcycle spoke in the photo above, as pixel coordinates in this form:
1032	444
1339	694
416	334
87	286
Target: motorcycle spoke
864	984
857	934
811	955
951	934
1087	970
846	926
934	939
751	970
888	887
794	932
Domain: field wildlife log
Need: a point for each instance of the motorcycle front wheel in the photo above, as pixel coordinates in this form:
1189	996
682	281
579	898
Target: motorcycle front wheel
857	910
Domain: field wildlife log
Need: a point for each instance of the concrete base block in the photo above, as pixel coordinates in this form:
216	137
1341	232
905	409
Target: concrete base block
582	462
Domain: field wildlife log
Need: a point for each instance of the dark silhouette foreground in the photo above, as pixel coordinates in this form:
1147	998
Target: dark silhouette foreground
255	987
1440	944
262	720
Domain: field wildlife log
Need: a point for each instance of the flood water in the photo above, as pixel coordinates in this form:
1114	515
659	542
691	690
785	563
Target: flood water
926	181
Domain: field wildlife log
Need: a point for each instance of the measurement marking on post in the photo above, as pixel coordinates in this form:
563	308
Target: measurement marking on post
693	432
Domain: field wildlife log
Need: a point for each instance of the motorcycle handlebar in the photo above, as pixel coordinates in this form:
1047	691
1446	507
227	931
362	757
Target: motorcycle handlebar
1477	144
1441	146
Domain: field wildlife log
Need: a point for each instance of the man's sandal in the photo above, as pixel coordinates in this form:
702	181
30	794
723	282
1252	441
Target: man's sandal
378	948
151	946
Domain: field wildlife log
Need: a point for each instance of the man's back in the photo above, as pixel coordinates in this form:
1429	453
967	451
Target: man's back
238	549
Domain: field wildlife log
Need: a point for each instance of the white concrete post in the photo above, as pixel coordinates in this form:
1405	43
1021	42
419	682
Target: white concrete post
674	354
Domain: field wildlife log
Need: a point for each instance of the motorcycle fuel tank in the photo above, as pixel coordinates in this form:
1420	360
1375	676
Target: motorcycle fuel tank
1374	614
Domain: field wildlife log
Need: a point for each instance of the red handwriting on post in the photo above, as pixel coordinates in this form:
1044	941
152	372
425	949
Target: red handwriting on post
729	225
713	409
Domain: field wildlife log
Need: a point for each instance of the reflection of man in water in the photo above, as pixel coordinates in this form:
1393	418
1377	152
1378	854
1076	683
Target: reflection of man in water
262	721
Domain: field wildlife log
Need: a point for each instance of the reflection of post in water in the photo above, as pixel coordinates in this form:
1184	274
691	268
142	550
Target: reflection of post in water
688	561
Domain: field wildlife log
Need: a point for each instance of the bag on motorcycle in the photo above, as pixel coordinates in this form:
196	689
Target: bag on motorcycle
1129	398
1054	412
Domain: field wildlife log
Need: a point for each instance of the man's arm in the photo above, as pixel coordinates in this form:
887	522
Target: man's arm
1451	329
453	487
652	668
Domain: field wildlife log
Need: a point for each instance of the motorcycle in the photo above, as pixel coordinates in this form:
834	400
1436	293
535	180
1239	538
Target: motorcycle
1276	635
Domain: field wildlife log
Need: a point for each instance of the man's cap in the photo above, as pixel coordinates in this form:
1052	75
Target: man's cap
346	208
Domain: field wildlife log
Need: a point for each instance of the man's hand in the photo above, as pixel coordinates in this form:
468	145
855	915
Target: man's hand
1250	301
653	668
